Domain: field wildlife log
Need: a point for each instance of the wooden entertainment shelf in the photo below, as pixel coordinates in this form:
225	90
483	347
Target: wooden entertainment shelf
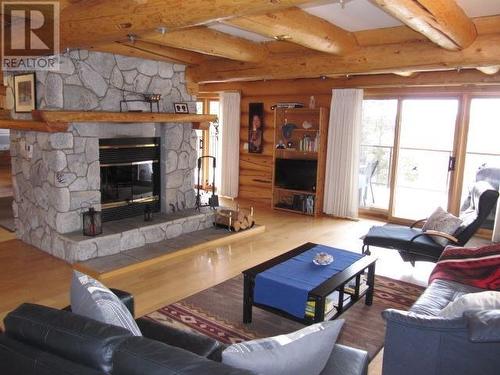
303	145
58	121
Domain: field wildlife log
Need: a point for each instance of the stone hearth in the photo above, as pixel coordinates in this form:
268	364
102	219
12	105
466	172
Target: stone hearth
122	235
57	176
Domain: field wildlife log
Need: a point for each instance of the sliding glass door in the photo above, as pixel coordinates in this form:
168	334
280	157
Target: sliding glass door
410	147
377	144
482	158
427	131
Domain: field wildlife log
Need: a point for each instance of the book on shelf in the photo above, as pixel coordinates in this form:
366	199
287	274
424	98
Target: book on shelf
331	304
350	287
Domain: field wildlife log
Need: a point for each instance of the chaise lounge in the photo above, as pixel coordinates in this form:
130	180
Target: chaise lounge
415	244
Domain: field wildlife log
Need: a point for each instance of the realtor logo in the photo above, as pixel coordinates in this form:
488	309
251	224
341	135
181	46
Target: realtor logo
30	40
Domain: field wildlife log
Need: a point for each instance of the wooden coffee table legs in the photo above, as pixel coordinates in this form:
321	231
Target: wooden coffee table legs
371	285
248	283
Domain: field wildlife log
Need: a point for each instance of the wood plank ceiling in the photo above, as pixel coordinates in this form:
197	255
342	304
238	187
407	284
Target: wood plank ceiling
436	35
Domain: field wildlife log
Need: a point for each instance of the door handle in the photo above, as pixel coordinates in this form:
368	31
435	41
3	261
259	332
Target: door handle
451	163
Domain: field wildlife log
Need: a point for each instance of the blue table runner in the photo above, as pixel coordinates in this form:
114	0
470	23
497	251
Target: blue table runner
286	286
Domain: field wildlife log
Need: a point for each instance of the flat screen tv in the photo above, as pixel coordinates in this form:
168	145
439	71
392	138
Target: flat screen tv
296	174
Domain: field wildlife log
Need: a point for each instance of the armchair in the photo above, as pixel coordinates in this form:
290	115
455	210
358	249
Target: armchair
413	244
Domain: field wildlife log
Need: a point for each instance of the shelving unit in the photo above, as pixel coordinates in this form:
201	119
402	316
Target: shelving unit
298	199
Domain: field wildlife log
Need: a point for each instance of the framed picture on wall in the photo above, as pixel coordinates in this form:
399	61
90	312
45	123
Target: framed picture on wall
255	127
24	93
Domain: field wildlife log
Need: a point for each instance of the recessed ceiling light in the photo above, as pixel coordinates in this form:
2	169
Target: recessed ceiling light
131	38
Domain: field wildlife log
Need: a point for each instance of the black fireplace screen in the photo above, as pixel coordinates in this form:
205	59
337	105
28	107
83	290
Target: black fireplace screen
130	176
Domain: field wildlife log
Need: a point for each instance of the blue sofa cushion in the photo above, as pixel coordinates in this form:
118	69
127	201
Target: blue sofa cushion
484	326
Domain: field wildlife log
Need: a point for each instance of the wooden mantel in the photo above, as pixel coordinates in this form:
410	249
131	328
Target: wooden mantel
58	121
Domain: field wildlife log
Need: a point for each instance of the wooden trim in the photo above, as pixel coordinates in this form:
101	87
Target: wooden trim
199	121
30	125
395	158
459	149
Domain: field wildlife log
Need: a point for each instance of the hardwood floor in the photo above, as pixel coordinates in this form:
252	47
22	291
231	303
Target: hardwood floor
5	181
30	275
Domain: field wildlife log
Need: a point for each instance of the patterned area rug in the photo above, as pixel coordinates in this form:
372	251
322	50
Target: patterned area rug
217	312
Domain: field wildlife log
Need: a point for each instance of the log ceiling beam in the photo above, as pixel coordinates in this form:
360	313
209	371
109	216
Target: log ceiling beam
317	86
297	26
412	56
90	22
442	21
147	52
490	70
173	54
210	42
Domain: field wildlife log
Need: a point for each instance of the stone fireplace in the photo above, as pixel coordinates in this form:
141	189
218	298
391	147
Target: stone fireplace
55	175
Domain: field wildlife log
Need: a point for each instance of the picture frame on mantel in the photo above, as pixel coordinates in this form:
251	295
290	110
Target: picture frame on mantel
24	93
181	108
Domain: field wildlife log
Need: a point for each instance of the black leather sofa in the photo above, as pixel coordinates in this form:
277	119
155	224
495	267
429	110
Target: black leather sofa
40	340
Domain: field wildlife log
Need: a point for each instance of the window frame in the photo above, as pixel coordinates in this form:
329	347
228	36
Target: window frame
206	165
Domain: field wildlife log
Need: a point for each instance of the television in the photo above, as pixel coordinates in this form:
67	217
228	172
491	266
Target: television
296	174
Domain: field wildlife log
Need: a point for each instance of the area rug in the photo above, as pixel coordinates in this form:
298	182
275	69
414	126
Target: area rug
217	312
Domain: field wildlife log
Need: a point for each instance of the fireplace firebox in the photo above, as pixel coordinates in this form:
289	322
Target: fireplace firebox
130	176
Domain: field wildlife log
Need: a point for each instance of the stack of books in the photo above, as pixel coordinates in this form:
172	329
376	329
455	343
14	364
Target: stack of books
350	287
331	304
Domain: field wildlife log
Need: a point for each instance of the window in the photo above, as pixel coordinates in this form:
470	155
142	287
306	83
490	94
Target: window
406	177
377	143
482	158
207	143
427	132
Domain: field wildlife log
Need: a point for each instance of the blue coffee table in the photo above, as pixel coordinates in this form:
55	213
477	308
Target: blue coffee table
317	289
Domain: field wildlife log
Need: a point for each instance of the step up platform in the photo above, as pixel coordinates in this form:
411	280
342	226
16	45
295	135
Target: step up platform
126	234
126	261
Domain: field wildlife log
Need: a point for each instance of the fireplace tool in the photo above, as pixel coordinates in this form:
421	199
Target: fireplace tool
213	201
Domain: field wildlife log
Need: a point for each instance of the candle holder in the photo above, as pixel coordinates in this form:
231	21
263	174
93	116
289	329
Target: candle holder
92	222
148	213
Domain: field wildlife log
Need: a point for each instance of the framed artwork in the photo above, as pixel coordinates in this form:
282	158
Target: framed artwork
24	93
255	127
181	108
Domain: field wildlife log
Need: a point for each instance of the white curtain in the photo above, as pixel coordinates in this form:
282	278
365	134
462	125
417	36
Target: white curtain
230	143
342	162
496	228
